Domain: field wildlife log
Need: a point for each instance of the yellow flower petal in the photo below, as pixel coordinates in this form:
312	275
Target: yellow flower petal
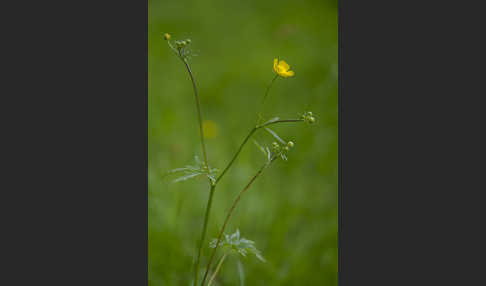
289	73
284	65
281	68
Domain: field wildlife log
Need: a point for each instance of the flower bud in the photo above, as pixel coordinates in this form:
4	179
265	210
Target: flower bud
167	36
188	41
290	144
312	119
275	146
286	148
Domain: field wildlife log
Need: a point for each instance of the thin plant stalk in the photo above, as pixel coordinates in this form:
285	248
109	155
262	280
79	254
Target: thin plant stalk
198	104
217	268
248	137
203	233
268	88
180	55
211	192
235	203
264	97
237	153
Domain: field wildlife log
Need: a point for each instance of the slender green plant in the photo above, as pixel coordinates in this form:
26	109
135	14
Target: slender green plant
183	54
279	150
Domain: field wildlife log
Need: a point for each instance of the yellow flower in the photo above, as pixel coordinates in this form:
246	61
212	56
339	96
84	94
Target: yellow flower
210	129
167	36
282	68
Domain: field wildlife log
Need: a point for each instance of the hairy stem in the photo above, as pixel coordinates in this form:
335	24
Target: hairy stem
217	268
235	203
246	140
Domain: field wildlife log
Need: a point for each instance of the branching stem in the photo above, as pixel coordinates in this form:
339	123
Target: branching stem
180	53
248	137
235	203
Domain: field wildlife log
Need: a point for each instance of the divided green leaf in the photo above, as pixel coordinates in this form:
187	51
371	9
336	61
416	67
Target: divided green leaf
239	245
192	171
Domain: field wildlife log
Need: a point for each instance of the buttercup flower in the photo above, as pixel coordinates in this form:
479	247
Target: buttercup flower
282	68
167	36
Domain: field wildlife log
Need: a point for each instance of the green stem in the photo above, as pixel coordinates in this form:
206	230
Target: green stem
237	153
203	234
203	145
235	203
213	187
268	88
280	121
246	140
198	104
217	269
259	116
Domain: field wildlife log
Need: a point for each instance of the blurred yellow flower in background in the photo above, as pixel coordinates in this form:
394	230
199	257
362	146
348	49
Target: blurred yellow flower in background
282	68
210	129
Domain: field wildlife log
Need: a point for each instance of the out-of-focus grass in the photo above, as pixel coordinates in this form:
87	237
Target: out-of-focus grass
290	212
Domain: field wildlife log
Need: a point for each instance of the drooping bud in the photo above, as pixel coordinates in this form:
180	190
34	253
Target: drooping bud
290	144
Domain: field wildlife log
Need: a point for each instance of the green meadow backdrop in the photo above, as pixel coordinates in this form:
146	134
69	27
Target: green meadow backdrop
291	212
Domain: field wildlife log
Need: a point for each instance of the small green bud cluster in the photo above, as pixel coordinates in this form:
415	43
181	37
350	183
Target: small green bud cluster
183	43
275	147
278	148
179	47
308	117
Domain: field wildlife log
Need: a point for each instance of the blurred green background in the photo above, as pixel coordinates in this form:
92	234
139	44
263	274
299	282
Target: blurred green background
291	211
